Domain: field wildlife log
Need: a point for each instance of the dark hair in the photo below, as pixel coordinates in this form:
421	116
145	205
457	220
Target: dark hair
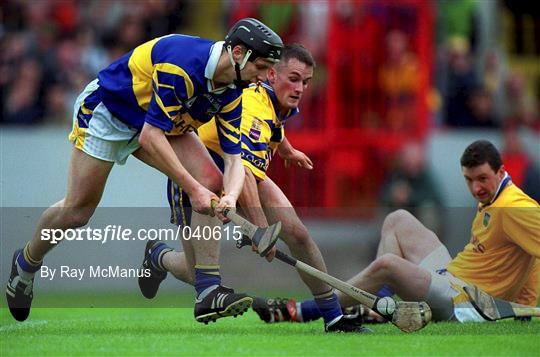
480	152
299	52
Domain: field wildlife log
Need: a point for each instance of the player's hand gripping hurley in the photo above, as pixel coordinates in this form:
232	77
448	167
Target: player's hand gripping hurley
263	238
407	316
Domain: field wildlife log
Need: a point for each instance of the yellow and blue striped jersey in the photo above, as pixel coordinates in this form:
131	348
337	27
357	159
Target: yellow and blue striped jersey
262	129
503	256
167	82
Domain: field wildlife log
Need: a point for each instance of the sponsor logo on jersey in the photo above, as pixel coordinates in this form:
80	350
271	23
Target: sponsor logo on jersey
477	246
256	161
255	130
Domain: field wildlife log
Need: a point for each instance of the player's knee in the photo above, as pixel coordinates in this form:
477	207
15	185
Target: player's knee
297	233
78	217
385	264
397	218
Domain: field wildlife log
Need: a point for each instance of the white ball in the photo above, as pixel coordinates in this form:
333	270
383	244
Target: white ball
386	305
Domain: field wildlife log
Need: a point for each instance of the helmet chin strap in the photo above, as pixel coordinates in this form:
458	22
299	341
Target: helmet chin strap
239	82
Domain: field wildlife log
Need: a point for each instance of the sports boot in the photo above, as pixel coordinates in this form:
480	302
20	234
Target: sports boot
275	309
150	285
220	302
19	293
346	324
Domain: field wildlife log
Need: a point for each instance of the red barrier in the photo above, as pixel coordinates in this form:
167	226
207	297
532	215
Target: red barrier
373	100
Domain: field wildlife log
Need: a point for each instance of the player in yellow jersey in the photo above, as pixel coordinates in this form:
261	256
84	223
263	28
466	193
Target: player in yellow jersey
148	103
266	108
502	257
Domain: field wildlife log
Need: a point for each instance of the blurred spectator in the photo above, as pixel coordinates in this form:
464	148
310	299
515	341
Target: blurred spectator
461	83
22	98
164	17
398	80
520	106
93	56
494	74
456	28
410	185
519	164
481	105
56	106
65	14
130	33
13	51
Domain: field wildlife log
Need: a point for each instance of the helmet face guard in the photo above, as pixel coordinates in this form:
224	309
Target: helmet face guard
239	82
259	40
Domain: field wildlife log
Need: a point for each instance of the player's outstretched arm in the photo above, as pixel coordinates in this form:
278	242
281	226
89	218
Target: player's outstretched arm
293	157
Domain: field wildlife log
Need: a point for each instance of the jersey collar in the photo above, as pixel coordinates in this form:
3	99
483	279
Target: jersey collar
270	90
211	65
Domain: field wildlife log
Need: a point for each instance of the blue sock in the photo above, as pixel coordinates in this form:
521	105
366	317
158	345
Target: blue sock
156	257
310	311
27	263
385	291
329	307
206	276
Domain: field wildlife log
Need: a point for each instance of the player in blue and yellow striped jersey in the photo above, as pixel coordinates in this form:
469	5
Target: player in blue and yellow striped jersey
266	109
148	103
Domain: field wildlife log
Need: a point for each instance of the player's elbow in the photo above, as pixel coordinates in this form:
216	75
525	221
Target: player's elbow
146	137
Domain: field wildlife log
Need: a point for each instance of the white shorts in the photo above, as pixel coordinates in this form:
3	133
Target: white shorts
445	290
98	133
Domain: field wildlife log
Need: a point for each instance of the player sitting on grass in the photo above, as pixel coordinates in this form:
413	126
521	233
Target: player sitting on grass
266	108
502	257
148	103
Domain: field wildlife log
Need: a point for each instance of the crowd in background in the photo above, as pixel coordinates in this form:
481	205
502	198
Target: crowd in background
477	85
52	48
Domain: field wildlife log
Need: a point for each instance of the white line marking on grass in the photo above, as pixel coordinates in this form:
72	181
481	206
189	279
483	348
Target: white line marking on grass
23	325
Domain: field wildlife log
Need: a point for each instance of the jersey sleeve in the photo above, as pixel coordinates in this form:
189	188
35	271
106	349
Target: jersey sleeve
278	134
228	126
171	87
522	226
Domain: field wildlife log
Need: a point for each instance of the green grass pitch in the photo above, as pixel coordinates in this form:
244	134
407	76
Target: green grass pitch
173	331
